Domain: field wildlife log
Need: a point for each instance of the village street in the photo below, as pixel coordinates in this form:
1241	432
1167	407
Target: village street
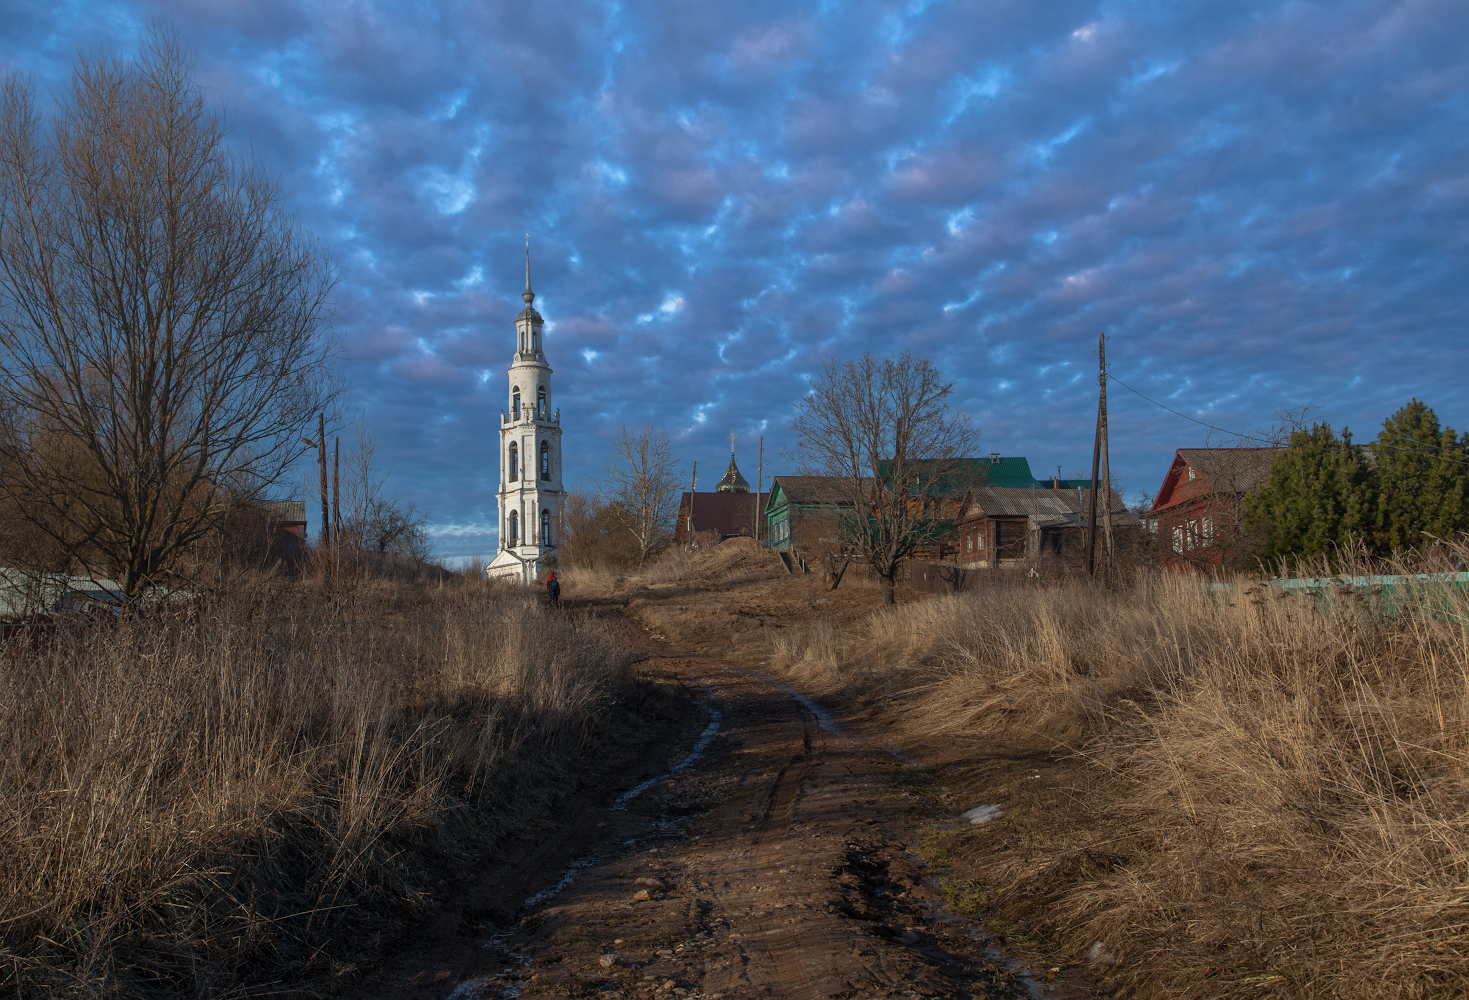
768	857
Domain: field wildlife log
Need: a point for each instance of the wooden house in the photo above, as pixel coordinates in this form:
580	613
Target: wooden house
803	511
1005	526
1198	512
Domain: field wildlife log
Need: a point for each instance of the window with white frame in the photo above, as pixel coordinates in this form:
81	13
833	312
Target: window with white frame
1178	538
1206	527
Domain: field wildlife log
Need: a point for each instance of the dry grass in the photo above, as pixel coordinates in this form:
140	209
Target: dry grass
725	564
1261	795
204	807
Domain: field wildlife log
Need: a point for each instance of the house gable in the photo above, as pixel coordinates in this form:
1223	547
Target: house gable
1177	472
777	496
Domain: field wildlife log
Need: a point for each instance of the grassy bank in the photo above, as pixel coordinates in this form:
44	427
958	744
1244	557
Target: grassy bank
268	791
1241	794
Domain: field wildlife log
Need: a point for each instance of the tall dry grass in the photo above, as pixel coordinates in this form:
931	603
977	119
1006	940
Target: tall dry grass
207	807
1269	795
723	564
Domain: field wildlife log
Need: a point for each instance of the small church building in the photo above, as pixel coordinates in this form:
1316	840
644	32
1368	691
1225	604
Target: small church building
730	511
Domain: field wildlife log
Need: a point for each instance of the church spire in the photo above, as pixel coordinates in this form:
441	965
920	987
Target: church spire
528	295
732	482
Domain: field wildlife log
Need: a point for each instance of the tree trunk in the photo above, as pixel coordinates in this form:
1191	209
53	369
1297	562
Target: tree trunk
887	590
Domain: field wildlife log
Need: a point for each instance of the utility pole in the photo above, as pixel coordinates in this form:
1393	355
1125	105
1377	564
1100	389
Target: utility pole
759	487
1091	521
326	518
693	488
1106	464
337	485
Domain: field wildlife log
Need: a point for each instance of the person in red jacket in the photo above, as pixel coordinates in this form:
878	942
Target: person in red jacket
553	590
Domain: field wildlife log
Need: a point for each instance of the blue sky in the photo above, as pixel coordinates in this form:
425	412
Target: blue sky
1262	204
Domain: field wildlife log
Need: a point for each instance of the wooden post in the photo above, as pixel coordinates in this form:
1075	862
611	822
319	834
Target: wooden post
1091	521
326	517
1106	466
759	486
337	485
693	488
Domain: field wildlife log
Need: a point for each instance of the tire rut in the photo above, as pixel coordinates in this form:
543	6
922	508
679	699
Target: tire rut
773	865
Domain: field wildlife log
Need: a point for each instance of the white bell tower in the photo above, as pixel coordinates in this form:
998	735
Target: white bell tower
530	457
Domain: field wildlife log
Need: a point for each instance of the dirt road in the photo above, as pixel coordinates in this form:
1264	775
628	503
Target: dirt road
765	854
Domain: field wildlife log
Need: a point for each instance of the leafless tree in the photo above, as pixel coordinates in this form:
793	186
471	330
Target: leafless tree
580	532
883	428
161	317
640	489
374	520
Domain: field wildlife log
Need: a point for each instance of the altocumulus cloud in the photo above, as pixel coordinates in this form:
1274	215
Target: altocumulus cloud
1263	205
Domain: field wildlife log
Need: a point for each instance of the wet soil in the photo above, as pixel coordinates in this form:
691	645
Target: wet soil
763	851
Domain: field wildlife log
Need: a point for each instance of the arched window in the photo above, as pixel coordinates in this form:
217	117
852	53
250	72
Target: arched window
514	462
541	402
546	460
515	403
545	527
514	532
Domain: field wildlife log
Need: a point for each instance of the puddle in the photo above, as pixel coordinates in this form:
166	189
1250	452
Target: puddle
978	932
715	718
499	985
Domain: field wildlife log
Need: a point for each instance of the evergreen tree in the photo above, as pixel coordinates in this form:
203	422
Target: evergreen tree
1321	495
1423	469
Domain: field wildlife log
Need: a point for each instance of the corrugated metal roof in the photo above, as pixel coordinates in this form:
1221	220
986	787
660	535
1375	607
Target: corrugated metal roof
960	474
722	513
817	489
290	511
1050	508
1233	470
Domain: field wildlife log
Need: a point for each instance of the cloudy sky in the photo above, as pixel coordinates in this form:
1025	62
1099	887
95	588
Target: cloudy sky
1263	205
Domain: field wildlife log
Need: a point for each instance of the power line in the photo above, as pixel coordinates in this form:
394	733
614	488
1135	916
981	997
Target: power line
1267	442
1221	430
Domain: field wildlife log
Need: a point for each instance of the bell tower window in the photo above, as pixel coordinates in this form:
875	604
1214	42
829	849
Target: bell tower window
546	460
514	462
541	402
546	527
514	532
515	402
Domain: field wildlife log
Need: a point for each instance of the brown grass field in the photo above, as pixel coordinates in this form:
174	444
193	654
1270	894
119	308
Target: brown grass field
1261	795
232	804
1235	793
1228	794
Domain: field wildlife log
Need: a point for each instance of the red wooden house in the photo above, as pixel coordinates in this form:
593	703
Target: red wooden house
1197	513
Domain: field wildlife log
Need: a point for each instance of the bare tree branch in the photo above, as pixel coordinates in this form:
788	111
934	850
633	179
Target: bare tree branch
641	488
884	428
161	317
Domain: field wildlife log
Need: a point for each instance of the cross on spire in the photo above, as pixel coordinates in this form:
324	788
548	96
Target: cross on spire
731	442
528	295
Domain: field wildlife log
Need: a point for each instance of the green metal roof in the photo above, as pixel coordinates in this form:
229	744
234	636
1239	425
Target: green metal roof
964	473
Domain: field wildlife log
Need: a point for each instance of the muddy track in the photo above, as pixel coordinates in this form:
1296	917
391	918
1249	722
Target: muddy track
767	859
